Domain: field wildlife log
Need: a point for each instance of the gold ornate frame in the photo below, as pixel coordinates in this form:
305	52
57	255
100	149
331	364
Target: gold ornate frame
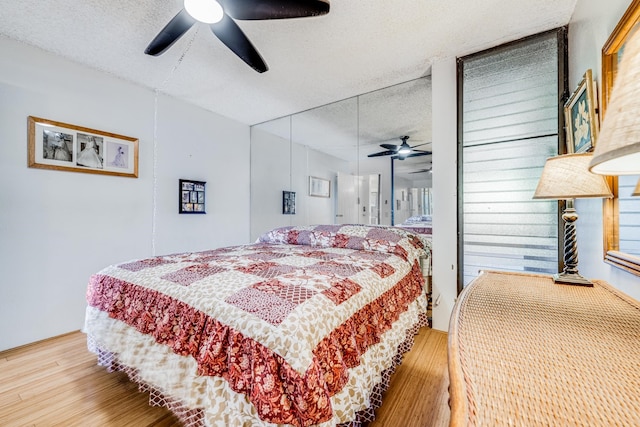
610	59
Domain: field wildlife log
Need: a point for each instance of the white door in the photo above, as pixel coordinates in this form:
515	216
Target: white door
347	199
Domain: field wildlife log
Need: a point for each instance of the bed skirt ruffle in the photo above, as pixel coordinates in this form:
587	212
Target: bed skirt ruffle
191	417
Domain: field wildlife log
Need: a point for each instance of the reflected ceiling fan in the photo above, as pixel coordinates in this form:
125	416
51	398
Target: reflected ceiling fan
401	151
220	16
422	171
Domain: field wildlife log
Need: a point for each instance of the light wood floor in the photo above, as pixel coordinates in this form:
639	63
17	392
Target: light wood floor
56	382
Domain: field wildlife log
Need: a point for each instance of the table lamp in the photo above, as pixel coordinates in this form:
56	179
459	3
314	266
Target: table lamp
567	177
617	151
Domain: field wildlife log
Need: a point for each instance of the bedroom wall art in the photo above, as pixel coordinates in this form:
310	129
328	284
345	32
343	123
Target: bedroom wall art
319	187
191	197
66	147
580	116
289	202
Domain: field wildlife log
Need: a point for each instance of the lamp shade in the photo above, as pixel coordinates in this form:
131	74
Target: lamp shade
636	192
568	177
617	150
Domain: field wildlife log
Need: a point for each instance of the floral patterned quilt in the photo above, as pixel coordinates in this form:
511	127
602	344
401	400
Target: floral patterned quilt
284	331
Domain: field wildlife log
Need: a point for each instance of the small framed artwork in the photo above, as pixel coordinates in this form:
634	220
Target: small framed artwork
66	147
319	187
580	116
191	197
289	202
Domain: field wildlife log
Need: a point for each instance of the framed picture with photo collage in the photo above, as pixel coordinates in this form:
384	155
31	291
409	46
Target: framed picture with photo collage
66	147
191	197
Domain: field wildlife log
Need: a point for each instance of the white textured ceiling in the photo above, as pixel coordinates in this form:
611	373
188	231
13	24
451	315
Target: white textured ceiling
360	46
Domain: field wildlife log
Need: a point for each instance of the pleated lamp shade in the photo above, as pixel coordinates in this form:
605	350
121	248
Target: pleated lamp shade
617	150
568	177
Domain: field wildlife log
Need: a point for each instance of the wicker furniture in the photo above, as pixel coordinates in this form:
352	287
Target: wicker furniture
524	351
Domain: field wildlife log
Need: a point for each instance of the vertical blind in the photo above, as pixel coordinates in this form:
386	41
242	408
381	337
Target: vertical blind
509	128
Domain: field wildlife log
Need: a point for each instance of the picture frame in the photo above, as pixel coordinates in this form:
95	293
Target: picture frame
191	196
319	187
288	202
612	52
614	48
66	147
580	116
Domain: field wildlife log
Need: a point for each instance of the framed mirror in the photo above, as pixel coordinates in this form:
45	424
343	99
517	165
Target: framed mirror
332	144
622	213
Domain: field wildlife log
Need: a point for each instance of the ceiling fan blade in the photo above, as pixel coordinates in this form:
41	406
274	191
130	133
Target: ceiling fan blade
170	33
382	153
390	147
421	151
419	145
274	9
232	36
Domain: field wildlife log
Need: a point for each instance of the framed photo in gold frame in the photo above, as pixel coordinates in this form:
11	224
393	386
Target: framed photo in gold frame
580	116
67	147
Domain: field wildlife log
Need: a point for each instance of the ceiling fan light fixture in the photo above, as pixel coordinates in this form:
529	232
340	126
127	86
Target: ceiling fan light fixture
207	11
404	148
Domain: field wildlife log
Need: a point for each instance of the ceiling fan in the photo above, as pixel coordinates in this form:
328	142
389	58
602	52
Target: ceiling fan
220	16
421	171
401	151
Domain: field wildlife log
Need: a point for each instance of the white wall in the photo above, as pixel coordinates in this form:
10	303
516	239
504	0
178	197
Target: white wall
591	24
444	175
57	228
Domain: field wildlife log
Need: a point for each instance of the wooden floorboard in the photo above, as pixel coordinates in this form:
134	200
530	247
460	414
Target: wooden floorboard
56	382
417	394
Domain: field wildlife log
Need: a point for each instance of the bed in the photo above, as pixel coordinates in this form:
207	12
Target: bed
303	327
420	224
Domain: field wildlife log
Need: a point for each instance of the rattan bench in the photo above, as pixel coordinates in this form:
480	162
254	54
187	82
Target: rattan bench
524	351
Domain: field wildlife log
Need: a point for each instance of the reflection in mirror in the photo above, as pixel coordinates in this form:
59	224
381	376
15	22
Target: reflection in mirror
270	174
621	214
412	190
386	117
330	135
629	215
334	142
